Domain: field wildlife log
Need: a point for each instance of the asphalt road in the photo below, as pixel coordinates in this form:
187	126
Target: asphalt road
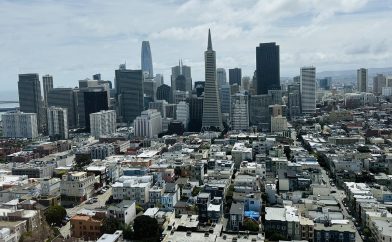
339	196
102	198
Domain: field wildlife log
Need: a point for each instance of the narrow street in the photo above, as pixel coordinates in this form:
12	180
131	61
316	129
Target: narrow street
102	198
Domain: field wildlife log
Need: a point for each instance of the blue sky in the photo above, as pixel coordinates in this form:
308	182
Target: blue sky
74	39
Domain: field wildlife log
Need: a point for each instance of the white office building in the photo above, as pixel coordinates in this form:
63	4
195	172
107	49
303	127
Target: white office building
103	123
308	89
57	122
20	125
278	123
148	124
239	112
182	113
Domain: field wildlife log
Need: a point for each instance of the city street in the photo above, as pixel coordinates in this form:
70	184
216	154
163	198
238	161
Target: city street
339	196
102	198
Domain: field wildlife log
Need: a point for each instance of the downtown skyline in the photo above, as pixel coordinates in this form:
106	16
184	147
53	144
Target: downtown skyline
312	33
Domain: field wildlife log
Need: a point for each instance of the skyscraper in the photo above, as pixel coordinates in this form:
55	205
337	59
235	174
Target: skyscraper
308	89
225	98
221	76
103	123
212	117
47	82
129	87
240	112
30	99
235	76
362	79
267	67
146	59
181	78
65	98
164	93
294	100
379	82
57	123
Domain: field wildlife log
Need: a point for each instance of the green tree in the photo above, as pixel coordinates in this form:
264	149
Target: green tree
146	228
55	215
110	225
196	191
139	209
128	233
250	225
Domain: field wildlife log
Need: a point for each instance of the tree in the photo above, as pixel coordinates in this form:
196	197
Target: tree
110	225
250	225
146	228
196	191
139	209
55	215
127	232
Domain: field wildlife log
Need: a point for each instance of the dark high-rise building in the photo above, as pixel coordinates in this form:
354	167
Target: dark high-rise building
47	83
199	87
129	88
267	67
195	113
91	100
185	81
164	92
212	116
30	99
146	59
65	98
235	76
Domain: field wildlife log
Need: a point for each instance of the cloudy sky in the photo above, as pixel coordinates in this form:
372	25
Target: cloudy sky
74	39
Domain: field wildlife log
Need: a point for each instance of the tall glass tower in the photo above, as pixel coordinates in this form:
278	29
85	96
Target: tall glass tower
212	117
267	68
146	59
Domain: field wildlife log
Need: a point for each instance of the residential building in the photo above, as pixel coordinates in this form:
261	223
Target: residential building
57	122
132	188
20	125
148	124
362	80
125	211
239	112
76	187
87	226
284	221
308	90
102	123
236	216
335	232
101	151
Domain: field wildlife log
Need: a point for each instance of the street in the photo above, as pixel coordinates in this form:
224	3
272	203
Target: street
102	198
339	195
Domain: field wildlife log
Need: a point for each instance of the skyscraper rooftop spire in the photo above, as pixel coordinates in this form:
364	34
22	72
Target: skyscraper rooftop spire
209	47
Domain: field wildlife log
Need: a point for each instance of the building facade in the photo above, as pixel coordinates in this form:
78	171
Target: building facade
65	98
148	124
57	122
146	59
129	89
308	90
212	117
235	76
267	67
240	112
47	83
103	123
221	76
20	125
362	80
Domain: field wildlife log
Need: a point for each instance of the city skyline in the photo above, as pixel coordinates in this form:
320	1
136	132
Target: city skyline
70	51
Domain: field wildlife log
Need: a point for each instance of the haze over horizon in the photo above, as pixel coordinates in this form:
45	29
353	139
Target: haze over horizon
72	40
